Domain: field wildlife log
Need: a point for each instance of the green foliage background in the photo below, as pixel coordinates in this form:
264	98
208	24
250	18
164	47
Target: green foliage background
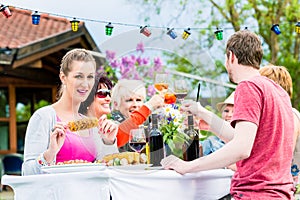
283	49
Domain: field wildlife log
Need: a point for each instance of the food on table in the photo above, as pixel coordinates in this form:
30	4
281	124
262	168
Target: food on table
124	158
82	124
77	161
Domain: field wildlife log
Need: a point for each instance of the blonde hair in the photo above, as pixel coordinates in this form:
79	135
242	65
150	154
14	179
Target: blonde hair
126	88
280	75
77	55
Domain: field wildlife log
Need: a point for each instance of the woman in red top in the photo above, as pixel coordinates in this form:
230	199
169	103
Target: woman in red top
129	109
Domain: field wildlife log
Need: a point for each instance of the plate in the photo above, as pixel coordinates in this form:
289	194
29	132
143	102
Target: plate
155	168
80	167
131	167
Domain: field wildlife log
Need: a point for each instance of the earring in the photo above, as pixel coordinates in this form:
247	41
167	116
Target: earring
87	108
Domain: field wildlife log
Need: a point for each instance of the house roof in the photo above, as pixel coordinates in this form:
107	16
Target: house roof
31	52
18	30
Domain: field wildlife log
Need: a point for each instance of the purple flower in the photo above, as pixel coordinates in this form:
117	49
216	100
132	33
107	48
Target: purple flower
151	90
157	64
110	55
145	61
140	47
136	76
139	61
114	64
150	72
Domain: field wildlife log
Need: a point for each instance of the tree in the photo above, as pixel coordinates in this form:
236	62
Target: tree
260	15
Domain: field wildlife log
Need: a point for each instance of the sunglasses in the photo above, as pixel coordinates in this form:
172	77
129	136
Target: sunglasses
102	93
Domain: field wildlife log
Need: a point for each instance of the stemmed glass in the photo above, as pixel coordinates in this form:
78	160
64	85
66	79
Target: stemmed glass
161	84
137	140
180	89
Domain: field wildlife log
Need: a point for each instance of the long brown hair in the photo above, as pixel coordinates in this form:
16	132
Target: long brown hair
77	55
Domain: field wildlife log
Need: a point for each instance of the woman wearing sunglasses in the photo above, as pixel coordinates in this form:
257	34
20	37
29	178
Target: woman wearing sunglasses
130	111
98	102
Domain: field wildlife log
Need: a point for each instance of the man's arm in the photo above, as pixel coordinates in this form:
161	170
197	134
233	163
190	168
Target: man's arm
238	148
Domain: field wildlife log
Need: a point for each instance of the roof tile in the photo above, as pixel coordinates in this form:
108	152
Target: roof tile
18	30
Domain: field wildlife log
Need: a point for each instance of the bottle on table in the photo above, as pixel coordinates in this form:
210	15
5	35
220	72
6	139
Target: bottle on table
156	143
191	147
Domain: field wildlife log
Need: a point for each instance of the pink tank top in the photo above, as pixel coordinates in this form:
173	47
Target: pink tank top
77	147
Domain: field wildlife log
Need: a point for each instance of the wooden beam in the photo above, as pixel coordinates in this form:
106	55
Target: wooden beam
12	118
38	55
35	64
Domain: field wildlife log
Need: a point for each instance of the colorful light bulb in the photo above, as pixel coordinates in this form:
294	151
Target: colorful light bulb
297	27
5	11
172	33
144	30
35	18
275	29
74	24
219	34
108	29
186	33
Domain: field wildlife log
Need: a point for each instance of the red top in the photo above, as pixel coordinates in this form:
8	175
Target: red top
136	118
266	174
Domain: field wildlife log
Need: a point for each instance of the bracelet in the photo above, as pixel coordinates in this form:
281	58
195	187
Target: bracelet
42	161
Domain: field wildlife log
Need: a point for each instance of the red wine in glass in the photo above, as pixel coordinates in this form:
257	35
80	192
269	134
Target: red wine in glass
137	146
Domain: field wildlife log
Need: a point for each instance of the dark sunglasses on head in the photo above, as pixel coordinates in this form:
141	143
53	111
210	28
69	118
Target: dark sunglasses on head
102	93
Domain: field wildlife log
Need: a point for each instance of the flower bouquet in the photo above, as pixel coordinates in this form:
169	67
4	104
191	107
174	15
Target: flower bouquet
172	127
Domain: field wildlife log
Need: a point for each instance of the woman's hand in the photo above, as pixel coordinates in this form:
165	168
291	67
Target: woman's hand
108	130
156	101
57	139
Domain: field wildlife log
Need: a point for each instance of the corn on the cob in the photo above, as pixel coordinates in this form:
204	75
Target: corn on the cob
82	124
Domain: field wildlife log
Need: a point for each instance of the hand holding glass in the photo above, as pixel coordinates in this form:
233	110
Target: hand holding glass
137	140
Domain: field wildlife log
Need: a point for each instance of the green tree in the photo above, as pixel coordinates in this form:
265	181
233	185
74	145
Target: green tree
260	15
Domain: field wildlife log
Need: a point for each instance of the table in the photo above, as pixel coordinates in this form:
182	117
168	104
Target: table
122	184
64	186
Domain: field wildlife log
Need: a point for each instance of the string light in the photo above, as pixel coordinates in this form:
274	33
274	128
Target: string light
35	18
219	34
171	33
5	11
297	27
74	24
108	29
186	33
275	29
144	30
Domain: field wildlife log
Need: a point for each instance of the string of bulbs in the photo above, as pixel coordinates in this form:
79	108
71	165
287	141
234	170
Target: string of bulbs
4	9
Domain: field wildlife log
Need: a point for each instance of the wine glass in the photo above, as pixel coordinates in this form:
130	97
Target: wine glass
180	89
137	140
161	84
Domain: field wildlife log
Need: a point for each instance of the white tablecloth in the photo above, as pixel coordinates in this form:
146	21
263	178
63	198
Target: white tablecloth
167	184
64	186
122	185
